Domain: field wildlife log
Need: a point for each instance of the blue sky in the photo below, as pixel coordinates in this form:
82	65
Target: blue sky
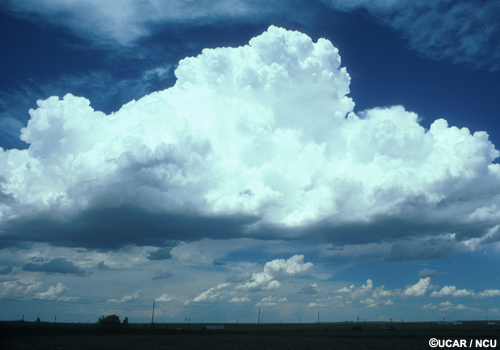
326	156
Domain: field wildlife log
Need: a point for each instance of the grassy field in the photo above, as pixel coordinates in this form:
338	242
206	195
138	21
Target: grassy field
30	335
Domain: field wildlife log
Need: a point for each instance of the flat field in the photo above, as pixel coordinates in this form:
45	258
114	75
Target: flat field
29	335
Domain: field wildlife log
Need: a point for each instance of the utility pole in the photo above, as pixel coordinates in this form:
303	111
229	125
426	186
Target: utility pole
258	322
153	316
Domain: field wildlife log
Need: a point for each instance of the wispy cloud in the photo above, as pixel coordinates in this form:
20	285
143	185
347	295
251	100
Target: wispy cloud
127	21
464	32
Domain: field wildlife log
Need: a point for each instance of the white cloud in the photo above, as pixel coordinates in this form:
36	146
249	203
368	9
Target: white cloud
489	293
452	291
53	293
381	292
270	301
257	140
275	271
367	295
372	302
237	300
164	298
19	288
445	306
212	294
126	21
354	292
494	311
369	302
267	280
127	298
429	306
419	288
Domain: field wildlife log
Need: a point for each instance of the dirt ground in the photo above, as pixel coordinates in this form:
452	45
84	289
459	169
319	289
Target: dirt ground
219	341
22	336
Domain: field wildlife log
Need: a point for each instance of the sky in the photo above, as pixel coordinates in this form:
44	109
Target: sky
327	157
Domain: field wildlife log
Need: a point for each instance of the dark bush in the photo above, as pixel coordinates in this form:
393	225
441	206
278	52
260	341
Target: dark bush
109	320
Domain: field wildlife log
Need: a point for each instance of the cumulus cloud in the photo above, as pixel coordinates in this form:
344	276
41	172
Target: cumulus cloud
489	293
419	288
269	279
53	293
211	294
259	140
60	265
270	301
237	300
127	298
164	298
370	302
452	291
354	292
19	288
366	295
445	306
275	271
